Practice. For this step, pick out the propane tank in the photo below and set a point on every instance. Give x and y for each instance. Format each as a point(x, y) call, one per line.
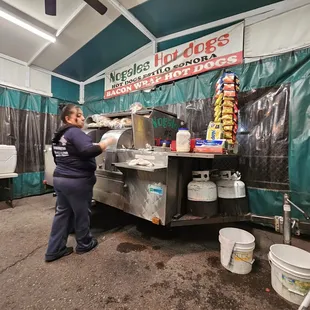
point(202, 195)
point(232, 194)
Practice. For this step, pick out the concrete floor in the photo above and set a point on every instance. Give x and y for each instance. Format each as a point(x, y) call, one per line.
point(136, 266)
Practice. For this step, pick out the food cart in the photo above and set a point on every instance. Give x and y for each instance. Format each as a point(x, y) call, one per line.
point(158, 192)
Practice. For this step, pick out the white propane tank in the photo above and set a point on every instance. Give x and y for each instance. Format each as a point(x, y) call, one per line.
point(229, 186)
point(202, 195)
point(232, 194)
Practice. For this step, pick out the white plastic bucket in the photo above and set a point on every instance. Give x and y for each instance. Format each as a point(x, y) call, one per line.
point(237, 247)
point(290, 272)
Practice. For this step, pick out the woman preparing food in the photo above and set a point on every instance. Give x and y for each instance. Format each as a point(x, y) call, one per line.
point(74, 178)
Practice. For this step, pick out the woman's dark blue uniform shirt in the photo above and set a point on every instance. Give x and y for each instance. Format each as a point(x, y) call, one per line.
point(74, 153)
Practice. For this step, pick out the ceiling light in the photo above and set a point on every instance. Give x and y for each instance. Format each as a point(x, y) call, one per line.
point(27, 26)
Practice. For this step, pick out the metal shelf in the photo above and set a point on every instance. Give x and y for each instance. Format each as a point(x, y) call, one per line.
point(199, 155)
point(188, 220)
point(140, 112)
point(141, 168)
point(127, 113)
point(102, 127)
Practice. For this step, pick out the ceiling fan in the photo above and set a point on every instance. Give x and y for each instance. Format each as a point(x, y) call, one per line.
point(50, 7)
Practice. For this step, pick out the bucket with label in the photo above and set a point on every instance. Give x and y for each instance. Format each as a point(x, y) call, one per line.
point(237, 247)
point(290, 272)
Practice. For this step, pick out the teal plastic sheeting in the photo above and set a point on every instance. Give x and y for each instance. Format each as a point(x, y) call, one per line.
point(291, 68)
point(94, 91)
point(18, 100)
point(65, 90)
point(50, 105)
point(27, 121)
point(10, 98)
point(270, 203)
point(29, 184)
point(299, 152)
point(265, 202)
point(180, 92)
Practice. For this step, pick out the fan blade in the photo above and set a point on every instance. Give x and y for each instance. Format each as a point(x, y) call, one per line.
point(50, 7)
point(97, 5)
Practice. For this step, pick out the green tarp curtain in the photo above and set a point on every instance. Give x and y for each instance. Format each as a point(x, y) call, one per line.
point(262, 137)
point(291, 68)
point(299, 151)
point(65, 90)
point(27, 121)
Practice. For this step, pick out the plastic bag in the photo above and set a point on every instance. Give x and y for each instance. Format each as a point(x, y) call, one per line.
point(135, 107)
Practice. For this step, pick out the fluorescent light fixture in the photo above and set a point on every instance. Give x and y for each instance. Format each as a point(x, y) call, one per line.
point(27, 26)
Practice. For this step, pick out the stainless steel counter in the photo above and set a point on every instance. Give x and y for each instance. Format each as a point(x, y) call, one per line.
point(141, 168)
point(158, 193)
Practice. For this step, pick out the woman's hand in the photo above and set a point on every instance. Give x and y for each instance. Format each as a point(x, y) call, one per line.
point(107, 142)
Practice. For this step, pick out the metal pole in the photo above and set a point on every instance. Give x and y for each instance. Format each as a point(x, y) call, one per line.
point(286, 220)
point(307, 217)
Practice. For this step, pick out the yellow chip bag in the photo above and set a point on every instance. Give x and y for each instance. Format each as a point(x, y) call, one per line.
point(228, 123)
point(228, 134)
point(228, 117)
point(229, 98)
point(228, 128)
point(217, 108)
point(215, 131)
point(219, 99)
point(227, 110)
point(227, 103)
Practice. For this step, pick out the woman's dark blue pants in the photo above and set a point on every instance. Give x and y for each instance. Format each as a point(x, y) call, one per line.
point(74, 198)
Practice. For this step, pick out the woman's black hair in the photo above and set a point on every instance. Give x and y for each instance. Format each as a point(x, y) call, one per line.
point(67, 111)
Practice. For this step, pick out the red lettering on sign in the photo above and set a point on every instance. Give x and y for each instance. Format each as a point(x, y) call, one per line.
point(188, 52)
point(208, 47)
point(162, 60)
point(223, 40)
point(199, 48)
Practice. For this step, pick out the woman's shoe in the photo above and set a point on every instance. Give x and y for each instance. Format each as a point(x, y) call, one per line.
point(93, 244)
point(65, 252)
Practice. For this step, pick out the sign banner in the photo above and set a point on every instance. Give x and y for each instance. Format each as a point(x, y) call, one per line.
point(221, 49)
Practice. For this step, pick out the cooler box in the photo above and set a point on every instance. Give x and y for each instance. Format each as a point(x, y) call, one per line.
point(8, 159)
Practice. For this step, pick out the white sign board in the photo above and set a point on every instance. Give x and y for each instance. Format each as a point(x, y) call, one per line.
point(221, 49)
